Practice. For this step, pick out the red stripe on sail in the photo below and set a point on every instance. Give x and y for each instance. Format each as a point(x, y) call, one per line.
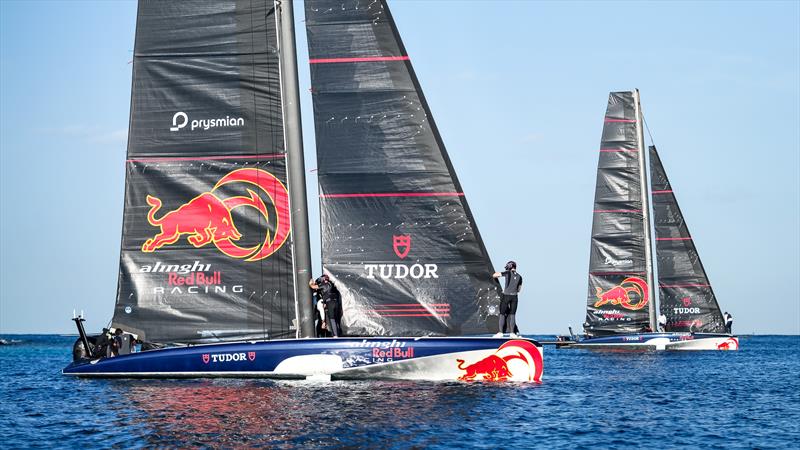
point(412, 310)
point(683, 285)
point(396, 194)
point(408, 305)
point(617, 273)
point(208, 158)
point(617, 210)
point(619, 120)
point(415, 315)
point(674, 239)
point(615, 150)
point(357, 59)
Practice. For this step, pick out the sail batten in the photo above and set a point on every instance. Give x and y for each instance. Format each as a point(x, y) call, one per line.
point(685, 293)
point(206, 250)
point(396, 227)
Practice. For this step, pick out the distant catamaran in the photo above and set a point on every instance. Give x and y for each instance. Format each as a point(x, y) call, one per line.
point(621, 307)
point(215, 259)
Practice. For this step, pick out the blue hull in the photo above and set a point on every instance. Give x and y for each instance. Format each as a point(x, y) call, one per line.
point(423, 358)
point(661, 341)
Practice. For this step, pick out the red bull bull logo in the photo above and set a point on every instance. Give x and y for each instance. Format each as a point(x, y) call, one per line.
point(521, 356)
point(729, 344)
point(207, 218)
point(631, 294)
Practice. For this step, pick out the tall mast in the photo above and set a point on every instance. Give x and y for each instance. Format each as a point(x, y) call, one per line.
point(645, 191)
point(295, 167)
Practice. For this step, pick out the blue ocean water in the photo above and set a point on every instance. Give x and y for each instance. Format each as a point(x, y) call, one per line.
point(745, 399)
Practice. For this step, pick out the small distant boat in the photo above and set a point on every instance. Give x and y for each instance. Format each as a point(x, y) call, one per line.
point(622, 306)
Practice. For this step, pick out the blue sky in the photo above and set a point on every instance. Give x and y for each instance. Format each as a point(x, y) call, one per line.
point(518, 90)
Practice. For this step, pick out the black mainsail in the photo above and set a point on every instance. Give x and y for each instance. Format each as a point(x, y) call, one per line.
point(206, 253)
point(398, 236)
point(620, 294)
point(685, 294)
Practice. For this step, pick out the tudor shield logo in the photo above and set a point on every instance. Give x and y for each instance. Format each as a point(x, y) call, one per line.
point(401, 245)
point(206, 358)
point(251, 356)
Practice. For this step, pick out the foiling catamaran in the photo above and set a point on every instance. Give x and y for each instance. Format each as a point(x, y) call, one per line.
point(215, 257)
point(621, 309)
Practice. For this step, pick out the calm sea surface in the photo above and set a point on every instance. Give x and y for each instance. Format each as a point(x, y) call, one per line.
point(749, 398)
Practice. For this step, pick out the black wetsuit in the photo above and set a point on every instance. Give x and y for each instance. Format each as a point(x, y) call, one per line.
point(333, 307)
point(729, 323)
point(102, 346)
point(508, 304)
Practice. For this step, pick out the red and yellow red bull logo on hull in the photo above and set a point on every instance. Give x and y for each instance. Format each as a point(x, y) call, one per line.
point(515, 360)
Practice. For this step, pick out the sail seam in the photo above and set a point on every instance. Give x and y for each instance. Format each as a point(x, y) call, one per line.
point(207, 158)
point(415, 315)
point(617, 210)
point(357, 59)
point(683, 285)
point(396, 194)
point(617, 273)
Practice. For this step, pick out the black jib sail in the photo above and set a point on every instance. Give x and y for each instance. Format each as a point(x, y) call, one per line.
point(398, 237)
point(620, 294)
point(685, 294)
point(206, 252)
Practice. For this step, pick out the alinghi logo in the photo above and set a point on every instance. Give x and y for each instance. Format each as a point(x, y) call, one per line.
point(181, 119)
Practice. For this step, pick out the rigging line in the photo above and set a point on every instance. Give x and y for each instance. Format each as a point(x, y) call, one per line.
point(275, 105)
point(652, 141)
point(255, 132)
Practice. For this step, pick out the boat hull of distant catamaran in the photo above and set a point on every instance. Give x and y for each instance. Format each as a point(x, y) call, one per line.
point(660, 341)
point(424, 358)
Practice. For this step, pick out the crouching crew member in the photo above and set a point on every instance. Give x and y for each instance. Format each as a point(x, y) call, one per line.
point(508, 304)
point(327, 292)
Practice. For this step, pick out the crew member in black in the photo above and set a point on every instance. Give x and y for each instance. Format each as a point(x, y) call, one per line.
point(728, 322)
point(103, 344)
point(330, 297)
point(508, 304)
point(122, 343)
point(321, 326)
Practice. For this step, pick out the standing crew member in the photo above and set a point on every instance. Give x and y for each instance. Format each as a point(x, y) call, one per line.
point(728, 322)
point(330, 297)
point(122, 343)
point(508, 304)
point(104, 343)
point(662, 322)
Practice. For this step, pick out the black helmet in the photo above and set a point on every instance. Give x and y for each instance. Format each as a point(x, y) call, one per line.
point(323, 279)
point(511, 265)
